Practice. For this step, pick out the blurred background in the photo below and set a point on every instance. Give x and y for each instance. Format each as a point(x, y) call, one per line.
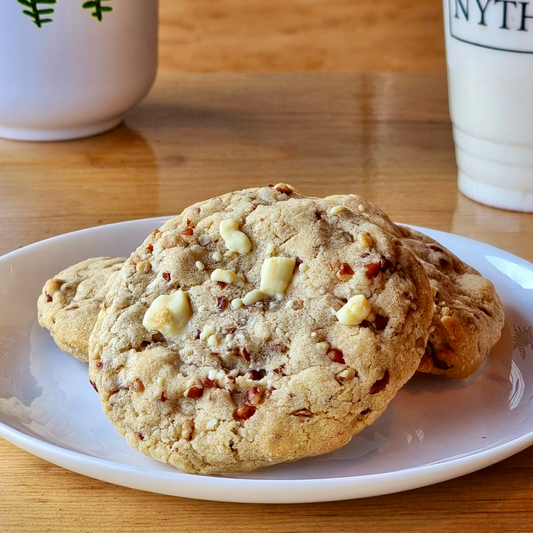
point(301, 36)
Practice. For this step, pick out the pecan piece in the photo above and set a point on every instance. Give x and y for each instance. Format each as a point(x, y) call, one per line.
point(222, 302)
point(336, 356)
point(344, 271)
point(254, 375)
point(245, 411)
point(372, 270)
point(194, 392)
point(254, 395)
point(138, 385)
point(303, 413)
point(209, 383)
point(384, 264)
point(282, 190)
point(280, 370)
point(380, 384)
point(245, 354)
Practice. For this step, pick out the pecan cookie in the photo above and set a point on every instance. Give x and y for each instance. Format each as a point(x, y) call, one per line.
point(468, 315)
point(70, 302)
point(257, 328)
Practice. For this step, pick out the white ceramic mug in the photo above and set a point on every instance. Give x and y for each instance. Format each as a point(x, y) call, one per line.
point(489, 53)
point(72, 68)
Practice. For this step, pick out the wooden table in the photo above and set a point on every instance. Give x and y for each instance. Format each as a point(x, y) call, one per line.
point(386, 137)
point(301, 36)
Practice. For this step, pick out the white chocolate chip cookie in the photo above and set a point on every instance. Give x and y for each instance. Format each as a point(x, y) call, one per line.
point(71, 300)
point(468, 316)
point(261, 356)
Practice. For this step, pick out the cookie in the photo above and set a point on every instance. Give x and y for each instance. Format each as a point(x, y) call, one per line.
point(70, 302)
point(468, 315)
point(257, 328)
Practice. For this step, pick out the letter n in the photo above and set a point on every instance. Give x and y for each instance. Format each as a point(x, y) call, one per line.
point(464, 9)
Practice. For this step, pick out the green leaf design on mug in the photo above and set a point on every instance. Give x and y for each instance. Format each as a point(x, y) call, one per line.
point(99, 9)
point(36, 13)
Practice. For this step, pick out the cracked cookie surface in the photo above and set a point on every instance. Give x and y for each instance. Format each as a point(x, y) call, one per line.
point(257, 328)
point(70, 302)
point(468, 316)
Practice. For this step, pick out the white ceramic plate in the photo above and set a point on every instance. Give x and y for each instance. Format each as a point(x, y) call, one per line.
point(434, 430)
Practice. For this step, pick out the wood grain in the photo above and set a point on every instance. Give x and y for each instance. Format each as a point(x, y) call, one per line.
point(386, 137)
point(301, 36)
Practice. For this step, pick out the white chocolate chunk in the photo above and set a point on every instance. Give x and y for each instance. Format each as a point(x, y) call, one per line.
point(365, 239)
point(271, 248)
point(336, 210)
point(276, 274)
point(354, 311)
point(217, 256)
point(207, 332)
point(211, 424)
point(213, 340)
point(200, 265)
point(236, 303)
point(246, 434)
point(235, 240)
point(169, 314)
point(253, 297)
point(227, 276)
point(346, 374)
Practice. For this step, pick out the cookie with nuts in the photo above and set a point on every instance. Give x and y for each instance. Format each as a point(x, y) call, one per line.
point(468, 315)
point(70, 302)
point(256, 328)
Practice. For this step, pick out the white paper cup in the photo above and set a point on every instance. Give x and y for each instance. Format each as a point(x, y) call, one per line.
point(489, 53)
point(72, 68)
